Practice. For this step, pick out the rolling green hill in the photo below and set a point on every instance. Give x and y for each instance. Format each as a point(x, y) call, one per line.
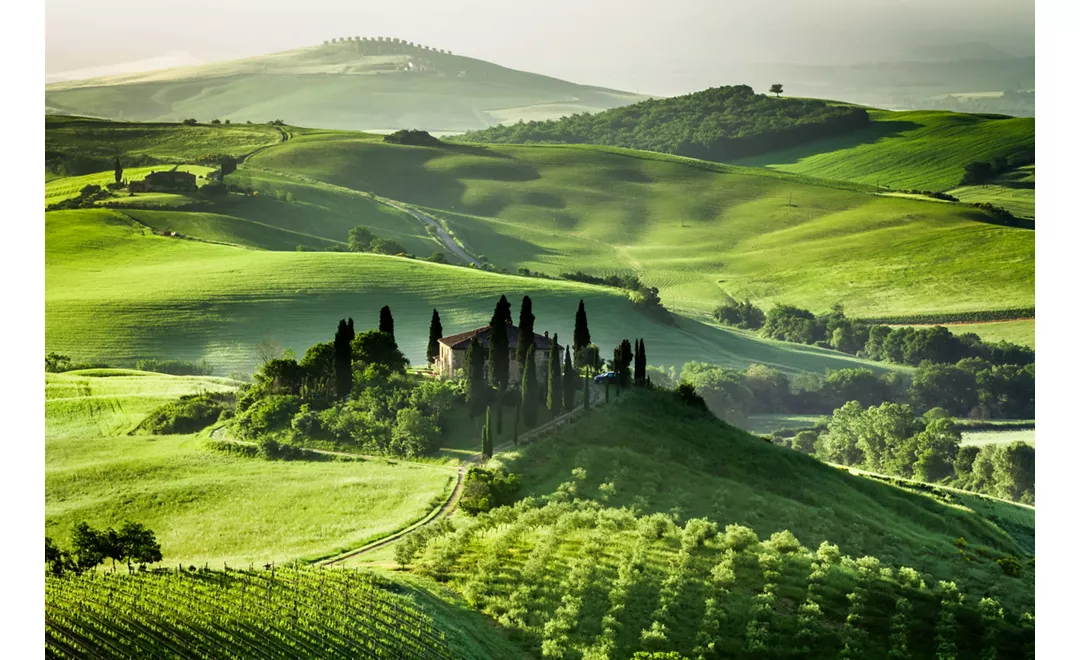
point(402, 86)
point(699, 231)
point(186, 299)
point(920, 150)
point(650, 526)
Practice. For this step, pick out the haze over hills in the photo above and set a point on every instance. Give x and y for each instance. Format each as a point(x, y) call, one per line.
point(353, 83)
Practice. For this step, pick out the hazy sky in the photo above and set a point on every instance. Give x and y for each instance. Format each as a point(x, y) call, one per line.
point(637, 45)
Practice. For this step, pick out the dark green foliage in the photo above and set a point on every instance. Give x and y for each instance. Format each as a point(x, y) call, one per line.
point(190, 414)
point(690, 397)
point(318, 362)
point(375, 347)
point(190, 121)
point(581, 329)
point(413, 137)
point(487, 489)
point(343, 357)
point(528, 389)
point(386, 321)
point(554, 379)
point(1010, 566)
point(640, 363)
point(953, 317)
point(740, 315)
point(435, 332)
point(486, 448)
point(175, 367)
point(360, 239)
point(118, 171)
point(132, 543)
point(499, 348)
point(476, 388)
point(570, 382)
point(267, 414)
point(278, 376)
point(776, 88)
point(719, 124)
point(620, 364)
point(386, 246)
point(526, 322)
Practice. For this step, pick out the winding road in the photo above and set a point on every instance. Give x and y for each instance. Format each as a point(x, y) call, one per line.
point(447, 240)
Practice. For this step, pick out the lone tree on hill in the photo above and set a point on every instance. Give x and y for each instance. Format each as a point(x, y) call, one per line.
point(569, 383)
point(581, 329)
point(343, 358)
point(486, 448)
point(386, 321)
point(525, 331)
point(475, 387)
point(118, 171)
point(360, 239)
point(434, 334)
point(528, 389)
point(554, 379)
point(777, 89)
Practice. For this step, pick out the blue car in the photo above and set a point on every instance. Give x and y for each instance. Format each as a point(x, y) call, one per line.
point(606, 377)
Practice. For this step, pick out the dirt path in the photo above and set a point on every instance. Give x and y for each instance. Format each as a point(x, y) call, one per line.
point(450, 505)
point(447, 240)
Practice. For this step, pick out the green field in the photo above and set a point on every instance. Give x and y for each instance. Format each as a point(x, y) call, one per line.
point(319, 86)
point(698, 231)
point(166, 297)
point(1013, 191)
point(921, 150)
point(205, 506)
point(1019, 332)
point(766, 424)
point(979, 438)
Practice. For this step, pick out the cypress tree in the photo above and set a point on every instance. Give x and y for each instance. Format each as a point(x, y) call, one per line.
point(342, 360)
point(118, 171)
point(386, 321)
point(554, 379)
point(485, 436)
point(525, 331)
point(621, 363)
point(499, 362)
point(502, 311)
point(475, 387)
point(352, 330)
point(434, 334)
point(581, 328)
point(528, 388)
point(641, 363)
point(569, 383)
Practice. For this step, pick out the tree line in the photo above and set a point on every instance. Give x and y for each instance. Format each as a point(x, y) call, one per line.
point(131, 544)
point(879, 342)
point(720, 123)
point(970, 388)
point(889, 438)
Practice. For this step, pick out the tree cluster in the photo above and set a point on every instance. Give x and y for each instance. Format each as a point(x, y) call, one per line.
point(721, 124)
point(487, 489)
point(361, 239)
point(131, 544)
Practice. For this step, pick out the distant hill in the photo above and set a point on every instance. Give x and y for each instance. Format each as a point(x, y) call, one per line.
point(359, 83)
point(717, 124)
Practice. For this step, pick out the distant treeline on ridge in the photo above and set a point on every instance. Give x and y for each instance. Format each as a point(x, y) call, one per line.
point(720, 123)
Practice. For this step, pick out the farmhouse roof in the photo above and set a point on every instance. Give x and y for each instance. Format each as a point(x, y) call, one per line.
point(462, 339)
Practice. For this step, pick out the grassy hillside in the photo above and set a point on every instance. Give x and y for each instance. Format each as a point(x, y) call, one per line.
point(1013, 191)
point(403, 86)
point(205, 506)
point(168, 297)
point(624, 542)
point(76, 145)
point(921, 150)
point(698, 231)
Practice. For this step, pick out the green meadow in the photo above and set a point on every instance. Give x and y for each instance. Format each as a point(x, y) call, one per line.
point(206, 506)
point(60, 189)
point(919, 149)
point(700, 232)
point(186, 299)
point(979, 438)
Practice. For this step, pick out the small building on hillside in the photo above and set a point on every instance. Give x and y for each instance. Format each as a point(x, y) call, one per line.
point(172, 181)
point(452, 351)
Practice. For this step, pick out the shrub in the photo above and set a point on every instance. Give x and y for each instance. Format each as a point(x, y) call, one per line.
point(739, 538)
point(175, 367)
point(191, 413)
point(1010, 565)
point(271, 413)
point(487, 489)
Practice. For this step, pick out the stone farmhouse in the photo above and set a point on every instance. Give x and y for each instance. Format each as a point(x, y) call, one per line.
point(169, 181)
point(452, 351)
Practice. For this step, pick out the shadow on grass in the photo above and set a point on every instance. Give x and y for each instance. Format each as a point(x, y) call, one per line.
point(877, 131)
